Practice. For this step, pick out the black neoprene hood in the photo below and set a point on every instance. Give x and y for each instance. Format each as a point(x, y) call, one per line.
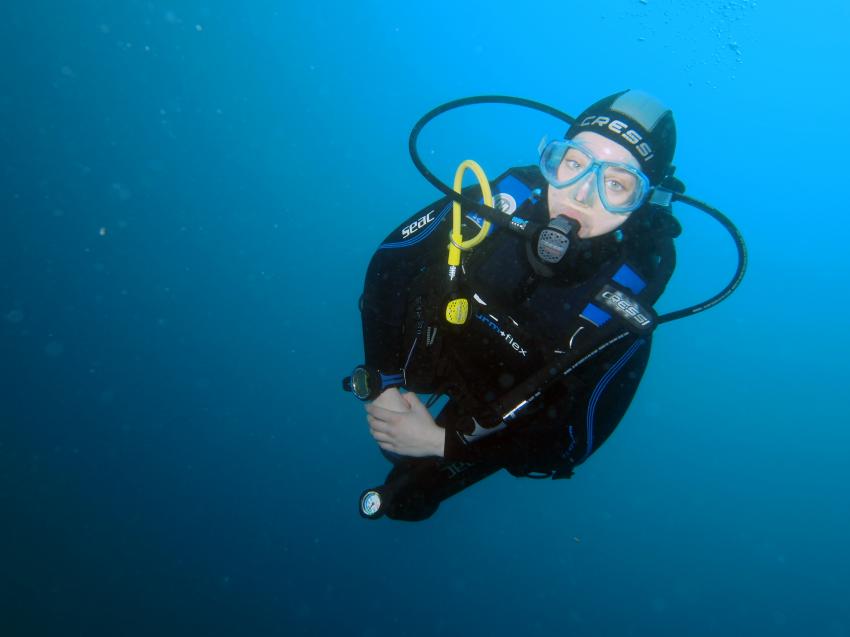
point(638, 122)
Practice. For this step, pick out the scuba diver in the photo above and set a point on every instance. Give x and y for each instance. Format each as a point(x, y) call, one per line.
point(535, 333)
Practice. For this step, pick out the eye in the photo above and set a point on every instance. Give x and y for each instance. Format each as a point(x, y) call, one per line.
point(574, 161)
point(614, 186)
point(619, 182)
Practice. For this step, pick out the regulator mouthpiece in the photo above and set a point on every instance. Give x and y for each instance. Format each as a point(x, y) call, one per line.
point(553, 243)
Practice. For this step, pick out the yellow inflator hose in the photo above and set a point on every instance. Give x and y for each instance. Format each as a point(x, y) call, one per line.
point(458, 243)
point(457, 309)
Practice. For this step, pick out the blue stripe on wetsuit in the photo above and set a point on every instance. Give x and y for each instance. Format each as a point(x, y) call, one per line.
point(515, 188)
point(597, 393)
point(595, 315)
point(629, 278)
point(419, 236)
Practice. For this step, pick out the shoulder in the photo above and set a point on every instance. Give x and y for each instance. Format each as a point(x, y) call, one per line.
point(528, 176)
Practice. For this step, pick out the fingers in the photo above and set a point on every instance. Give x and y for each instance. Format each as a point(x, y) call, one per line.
point(391, 399)
point(376, 424)
point(381, 431)
point(384, 440)
point(381, 413)
point(391, 428)
point(414, 402)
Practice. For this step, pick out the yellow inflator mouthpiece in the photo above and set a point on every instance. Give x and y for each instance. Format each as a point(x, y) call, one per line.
point(457, 311)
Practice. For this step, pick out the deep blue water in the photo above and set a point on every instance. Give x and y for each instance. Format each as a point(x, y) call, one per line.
point(189, 196)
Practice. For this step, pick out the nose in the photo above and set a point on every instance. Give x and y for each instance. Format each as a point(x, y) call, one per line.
point(583, 189)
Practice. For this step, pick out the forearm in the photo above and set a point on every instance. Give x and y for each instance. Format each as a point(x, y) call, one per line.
point(526, 445)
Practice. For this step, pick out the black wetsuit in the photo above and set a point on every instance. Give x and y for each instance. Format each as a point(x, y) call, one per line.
point(519, 323)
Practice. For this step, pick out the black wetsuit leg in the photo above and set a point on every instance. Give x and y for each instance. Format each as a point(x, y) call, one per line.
point(416, 486)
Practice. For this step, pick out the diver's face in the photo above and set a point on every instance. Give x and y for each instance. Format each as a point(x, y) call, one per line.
point(581, 201)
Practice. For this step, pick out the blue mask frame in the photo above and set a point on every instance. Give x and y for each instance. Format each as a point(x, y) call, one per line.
point(553, 155)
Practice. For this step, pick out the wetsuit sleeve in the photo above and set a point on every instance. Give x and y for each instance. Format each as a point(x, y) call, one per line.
point(568, 423)
point(417, 243)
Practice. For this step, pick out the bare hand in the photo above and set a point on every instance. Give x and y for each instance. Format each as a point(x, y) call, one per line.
point(391, 399)
point(402, 424)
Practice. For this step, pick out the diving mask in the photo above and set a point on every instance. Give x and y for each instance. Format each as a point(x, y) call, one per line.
point(621, 188)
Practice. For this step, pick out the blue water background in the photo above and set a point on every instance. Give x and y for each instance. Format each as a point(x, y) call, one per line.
point(189, 196)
